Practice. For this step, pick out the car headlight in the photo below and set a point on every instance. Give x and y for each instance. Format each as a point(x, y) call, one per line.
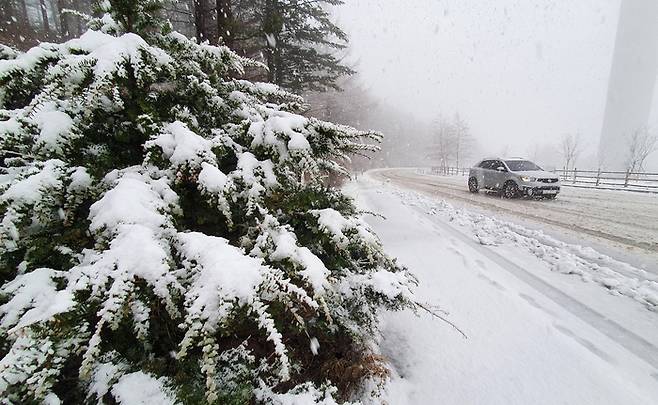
point(528, 179)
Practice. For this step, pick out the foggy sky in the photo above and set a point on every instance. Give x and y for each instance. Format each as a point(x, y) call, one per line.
point(523, 73)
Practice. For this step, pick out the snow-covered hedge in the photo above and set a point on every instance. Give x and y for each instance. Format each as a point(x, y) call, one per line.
point(166, 234)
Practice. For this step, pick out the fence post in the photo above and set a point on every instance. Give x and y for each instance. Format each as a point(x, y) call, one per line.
point(628, 174)
point(598, 177)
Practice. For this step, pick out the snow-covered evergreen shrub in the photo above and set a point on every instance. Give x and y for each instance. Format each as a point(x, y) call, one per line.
point(166, 235)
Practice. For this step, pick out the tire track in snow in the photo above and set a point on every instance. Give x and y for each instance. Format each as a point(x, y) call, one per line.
point(632, 342)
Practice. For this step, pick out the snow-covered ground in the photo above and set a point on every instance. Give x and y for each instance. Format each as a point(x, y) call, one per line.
point(548, 321)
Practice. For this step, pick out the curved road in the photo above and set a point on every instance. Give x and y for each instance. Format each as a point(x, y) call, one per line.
point(624, 220)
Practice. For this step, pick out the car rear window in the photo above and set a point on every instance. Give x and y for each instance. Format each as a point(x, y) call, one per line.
point(521, 165)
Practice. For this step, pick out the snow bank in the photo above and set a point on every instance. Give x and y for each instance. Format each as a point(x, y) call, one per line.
point(591, 266)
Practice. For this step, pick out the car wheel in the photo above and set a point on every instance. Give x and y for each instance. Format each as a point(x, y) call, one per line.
point(511, 190)
point(473, 185)
point(550, 197)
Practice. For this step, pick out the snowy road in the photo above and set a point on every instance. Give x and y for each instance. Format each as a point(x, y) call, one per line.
point(628, 220)
point(547, 321)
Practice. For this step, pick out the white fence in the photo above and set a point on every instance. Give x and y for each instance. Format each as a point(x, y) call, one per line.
point(631, 181)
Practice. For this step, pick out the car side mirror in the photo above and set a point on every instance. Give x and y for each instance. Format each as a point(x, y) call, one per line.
point(501, 169)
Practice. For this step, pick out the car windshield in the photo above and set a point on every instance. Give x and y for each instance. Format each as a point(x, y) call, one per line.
point(521, 165)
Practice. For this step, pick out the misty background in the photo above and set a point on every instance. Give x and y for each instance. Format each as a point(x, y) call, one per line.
point(521, 74)
point(447, 82)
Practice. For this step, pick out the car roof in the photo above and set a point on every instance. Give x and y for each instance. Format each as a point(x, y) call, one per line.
point(504, 158)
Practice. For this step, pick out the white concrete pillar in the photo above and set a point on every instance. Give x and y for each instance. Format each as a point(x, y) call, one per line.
point(632, 79)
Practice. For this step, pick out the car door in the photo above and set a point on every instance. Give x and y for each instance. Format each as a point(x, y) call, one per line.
point(497, 177)
point(487, 175)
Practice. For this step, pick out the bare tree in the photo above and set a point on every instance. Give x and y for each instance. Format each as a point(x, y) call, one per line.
point(443, 145)
point(641, 143)
point(570, 148)
point(452, 141)
point(462, 138)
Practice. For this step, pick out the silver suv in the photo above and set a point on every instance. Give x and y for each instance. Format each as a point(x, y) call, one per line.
point(513, 177)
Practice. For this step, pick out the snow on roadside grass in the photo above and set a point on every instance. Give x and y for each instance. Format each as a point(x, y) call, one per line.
point(618, 277)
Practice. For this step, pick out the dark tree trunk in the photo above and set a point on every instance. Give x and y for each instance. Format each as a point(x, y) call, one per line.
point(225, 22)
point(201, 20)
point(65, 22)
point(80, 6)
point(44, 17)
point(272, 26)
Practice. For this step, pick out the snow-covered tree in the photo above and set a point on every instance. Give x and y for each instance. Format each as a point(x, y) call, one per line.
point(297, 39)
point(166, 235)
